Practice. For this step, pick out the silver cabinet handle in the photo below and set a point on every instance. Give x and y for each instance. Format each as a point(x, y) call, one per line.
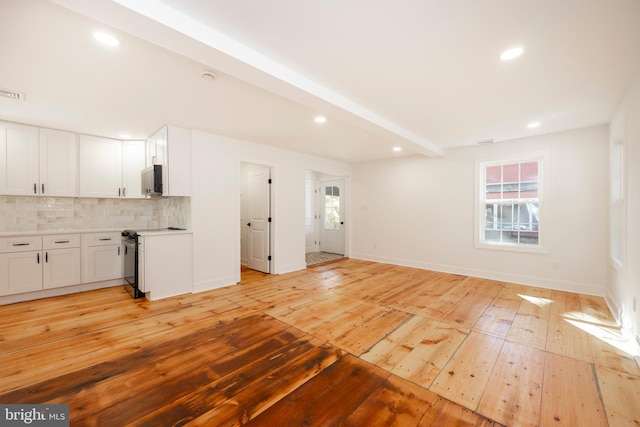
point(35, 188)
point(42, 188)
point(21, 244)
point(124, 192)
point(61, 241)
point(105, 238)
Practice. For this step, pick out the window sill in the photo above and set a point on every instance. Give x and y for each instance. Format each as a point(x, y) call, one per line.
point(511, 248)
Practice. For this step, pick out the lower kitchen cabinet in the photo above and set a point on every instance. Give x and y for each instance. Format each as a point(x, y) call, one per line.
point(20, 272)
point(102, 257)
point(33, 263)
point(165, 264)
point(61, 260)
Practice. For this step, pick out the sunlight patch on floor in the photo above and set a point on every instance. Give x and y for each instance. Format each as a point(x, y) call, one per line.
point(602, 331)
point(540, 302)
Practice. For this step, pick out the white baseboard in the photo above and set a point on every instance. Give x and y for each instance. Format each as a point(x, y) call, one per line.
point(540, 282)
point(48, 293)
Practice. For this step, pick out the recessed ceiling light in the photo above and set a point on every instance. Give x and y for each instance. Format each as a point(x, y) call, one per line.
point(512, 53)
point(533, 125)
point(397, 149)
point(106, 39)
point(320, 119)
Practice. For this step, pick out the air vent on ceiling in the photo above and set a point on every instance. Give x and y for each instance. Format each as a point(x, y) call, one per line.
point(18, 96)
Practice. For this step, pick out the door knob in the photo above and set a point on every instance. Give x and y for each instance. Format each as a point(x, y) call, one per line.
point(249, 224)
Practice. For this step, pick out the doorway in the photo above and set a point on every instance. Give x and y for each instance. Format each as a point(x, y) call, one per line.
point(255, 217)
point(325, 228)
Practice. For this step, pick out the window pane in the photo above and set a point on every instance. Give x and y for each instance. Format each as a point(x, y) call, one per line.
point(494, 174)
point(510, 204)
point(529, 171)
point(332, 212)
point(511, 173)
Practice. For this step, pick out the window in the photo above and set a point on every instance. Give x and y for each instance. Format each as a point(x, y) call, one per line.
point(618, 220)
point(509, 204)
point(332, 208)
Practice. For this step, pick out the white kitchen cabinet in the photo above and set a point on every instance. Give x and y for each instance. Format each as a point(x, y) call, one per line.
point(133, 161)
point(33, 263)
point(61, 253)
point(100, 167)
point(101, 257)
point(171, 148)
point(142, 276)
point(156, 147)
point(20, 264)
point(110, 168)
point(165, 266)
point(57, 163)
point(18, 159)
point(37, 161)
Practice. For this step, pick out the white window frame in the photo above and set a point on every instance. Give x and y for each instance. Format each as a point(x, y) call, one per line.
point(479, 214)
point(618, 205)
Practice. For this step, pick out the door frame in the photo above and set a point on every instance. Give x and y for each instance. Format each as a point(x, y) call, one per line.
point(321, 208)
point(272, 229)
point(346, 201)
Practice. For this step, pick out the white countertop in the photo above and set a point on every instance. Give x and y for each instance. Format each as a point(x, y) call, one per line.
point(163, 232)
point(85, 231)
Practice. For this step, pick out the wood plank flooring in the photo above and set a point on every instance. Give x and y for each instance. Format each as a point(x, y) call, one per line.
point(350, 343)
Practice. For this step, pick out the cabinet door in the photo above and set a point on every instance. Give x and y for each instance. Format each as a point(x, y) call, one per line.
point(100, 167)
point(133, 161)
point(157, 148)
point(57, 163)
point(103, 263)
point(18, 159)
point(177, 174)
point(61, 267)
point(20, 272)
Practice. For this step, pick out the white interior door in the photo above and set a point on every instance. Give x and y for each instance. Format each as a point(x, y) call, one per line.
point(332, 236)
point(259, 212)
point(310, 216)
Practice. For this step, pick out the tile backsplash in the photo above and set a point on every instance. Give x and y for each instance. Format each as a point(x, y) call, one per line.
point(32, 213)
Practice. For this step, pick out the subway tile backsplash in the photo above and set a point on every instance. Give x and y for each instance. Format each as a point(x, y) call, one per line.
point(32, 213)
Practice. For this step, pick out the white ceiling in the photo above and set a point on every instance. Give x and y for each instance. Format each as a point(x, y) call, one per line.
point(422, 74)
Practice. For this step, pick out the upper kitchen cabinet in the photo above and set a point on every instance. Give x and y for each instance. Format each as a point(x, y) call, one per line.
point(58, 163)
point(100, 167)
point(37, 161)
point(110, 168)
point(133, 161)
point(171, 148)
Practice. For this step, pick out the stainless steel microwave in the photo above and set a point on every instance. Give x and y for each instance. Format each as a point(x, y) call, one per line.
point(152, 181)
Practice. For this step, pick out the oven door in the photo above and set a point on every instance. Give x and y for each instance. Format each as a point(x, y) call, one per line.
point(130, 261)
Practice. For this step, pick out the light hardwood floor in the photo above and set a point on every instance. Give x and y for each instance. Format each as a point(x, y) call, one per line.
point(347, 343)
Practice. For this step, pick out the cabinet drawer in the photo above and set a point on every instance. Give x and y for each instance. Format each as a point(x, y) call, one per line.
point(20, 244)
point(103, 239)
point(61, 241)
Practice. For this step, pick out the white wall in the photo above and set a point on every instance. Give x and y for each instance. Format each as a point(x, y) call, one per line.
point(624, 285)
point(215, 205)
point(420, 212)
